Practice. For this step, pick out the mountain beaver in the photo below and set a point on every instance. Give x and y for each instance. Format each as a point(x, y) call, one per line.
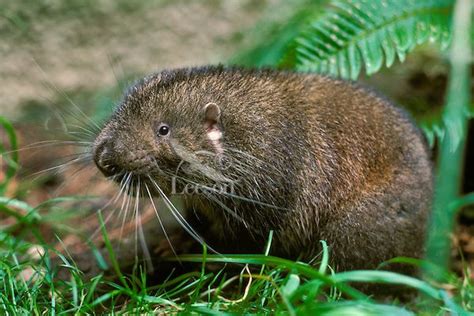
point(310, 157)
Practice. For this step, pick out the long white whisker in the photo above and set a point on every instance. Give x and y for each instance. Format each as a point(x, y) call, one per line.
point(135, 214)
point(42, 144)
point(230, 194)
point(139, 231)
point(121, 189)
point(111, 201)
point(160, 221)
point(127, 204)
point(58, 168)
point(83, 130)
point(106, 221)
point(177, 215)
point(94, 124)
point(227, 209)
point(70, 179)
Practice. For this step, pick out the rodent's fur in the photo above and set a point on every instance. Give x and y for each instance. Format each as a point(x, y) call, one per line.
point(310, 157)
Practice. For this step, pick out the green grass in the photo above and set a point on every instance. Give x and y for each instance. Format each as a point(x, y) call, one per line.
point(265, 284)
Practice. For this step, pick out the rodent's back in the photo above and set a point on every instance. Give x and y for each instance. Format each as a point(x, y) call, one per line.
point(349, 157)
point(346, 133)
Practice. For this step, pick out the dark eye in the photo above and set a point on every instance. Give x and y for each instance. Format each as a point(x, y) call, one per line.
point(163, 130)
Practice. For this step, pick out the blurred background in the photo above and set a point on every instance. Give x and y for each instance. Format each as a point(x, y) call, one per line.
point(88, 47)
point(57, 56)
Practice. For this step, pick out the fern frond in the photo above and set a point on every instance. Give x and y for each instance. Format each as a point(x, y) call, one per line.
point(435, 126)
point(356, 33)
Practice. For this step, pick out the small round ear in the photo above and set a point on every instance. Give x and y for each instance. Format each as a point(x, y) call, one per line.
point(212, 114)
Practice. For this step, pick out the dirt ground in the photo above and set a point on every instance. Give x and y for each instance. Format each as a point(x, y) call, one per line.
point(92, 47)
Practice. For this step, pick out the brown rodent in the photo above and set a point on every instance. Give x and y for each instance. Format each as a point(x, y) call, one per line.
point(310, 157)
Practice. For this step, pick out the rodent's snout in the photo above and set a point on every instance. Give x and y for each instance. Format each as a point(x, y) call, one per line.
point(104, 159)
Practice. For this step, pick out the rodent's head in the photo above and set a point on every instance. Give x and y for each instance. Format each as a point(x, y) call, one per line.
point(224, 133)
point(158, 128)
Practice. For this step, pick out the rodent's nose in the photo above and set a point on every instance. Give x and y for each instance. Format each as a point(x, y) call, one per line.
point(105, 160)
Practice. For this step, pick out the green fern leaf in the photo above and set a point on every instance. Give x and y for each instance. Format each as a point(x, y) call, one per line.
point(365, 33)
